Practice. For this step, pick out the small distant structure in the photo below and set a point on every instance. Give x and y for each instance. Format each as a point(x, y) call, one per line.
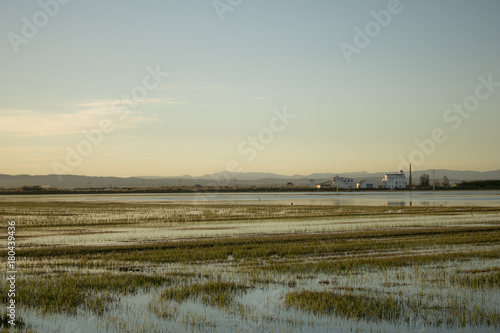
point(323, 185)
point(312, 183)
point(366, 183)
point(394, 180)
point(45, 187)
point(337, 182)
point(342, 182)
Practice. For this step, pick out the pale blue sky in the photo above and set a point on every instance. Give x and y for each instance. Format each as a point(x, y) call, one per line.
point(226, 78)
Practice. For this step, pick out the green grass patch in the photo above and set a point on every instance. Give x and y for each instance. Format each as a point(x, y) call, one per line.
point(347, 265)
point(453, 312)
point(324, 244)
point(346, 305)
point(214, 293)
point(67, 293)
point(478, 281)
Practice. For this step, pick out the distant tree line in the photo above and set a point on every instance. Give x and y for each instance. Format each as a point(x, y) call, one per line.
point(483, 184)
point(425, 181)
point(34, 188)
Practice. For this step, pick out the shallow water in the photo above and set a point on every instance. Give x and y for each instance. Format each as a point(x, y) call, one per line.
point(128, 235)
point(265, 310)
point(399, 198)
point(265, 307)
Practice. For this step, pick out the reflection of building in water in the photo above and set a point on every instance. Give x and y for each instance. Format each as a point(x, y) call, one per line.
point(366, 184)
point(395, 203)
point(394, 180)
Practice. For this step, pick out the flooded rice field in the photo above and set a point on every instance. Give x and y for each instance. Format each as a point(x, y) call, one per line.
point(397, 198)
point(216, 265)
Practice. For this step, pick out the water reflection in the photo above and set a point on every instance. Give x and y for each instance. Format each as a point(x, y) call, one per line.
point(455, 198)
point(396, 203)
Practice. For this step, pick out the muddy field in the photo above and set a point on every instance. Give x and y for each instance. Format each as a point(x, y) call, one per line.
point(226, 267)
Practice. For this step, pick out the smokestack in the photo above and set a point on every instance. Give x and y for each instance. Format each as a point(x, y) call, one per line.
point(410, 184)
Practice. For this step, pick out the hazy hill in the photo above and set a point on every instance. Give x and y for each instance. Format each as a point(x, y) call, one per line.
point(223, 178)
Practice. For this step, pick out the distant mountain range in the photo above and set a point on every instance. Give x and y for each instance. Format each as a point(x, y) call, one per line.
point(223, 178)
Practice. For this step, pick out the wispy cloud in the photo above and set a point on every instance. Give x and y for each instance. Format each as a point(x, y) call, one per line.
point(84, 116)
point(106, 104)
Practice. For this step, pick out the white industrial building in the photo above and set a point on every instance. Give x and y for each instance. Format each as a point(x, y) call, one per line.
point(342, 182)
point(336, 182)
point(366, 184)
point(394, 180)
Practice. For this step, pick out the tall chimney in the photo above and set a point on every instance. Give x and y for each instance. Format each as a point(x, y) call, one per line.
point(410, 184)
